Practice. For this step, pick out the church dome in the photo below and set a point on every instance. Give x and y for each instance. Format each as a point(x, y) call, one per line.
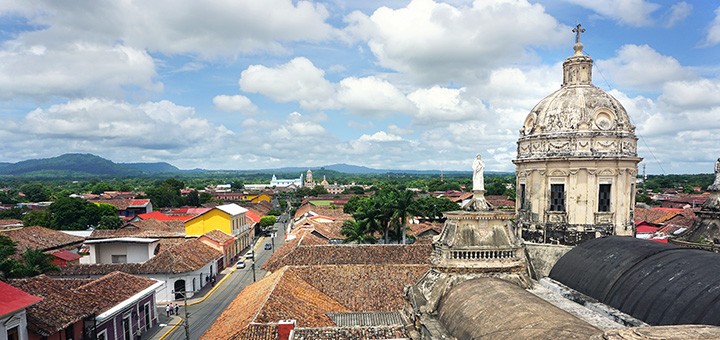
point(578, 120)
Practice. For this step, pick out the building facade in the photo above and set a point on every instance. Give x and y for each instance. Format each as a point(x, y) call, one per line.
point(576, 162)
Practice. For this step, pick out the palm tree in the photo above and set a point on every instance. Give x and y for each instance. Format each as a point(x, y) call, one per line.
point(403, 209)
point(35, 262)
point(355, 232)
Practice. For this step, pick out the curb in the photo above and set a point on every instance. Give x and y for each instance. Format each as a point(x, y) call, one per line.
point(172, 329)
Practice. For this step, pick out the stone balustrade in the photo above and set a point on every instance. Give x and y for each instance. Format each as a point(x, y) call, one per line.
point(481, 254)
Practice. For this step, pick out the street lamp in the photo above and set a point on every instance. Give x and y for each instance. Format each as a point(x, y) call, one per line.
point(253, 269)
point(186, 322)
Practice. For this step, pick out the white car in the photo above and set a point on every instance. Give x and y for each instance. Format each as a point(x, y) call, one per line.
point(250, 255)
point(240, 264)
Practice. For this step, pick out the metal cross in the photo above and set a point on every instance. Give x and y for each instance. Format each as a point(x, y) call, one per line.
point(577, 30)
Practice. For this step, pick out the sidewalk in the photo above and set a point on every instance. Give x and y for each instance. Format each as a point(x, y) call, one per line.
point(167, 324)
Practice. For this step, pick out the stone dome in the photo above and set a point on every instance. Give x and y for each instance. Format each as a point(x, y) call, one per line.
point(579, 119)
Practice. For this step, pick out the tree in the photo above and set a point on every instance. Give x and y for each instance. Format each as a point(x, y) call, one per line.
point(432, 207)
point(35, 192)
point(355, 232)
point(318, 190)
point(205, 198)
point(7, 264)
point(193, 199)
point(267, 221)
point(274, 212)
point(37, 217)
point(109, 222)
point(403, 201)
point(35, 262)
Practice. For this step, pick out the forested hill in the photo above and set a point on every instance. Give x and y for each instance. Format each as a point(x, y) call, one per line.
point(75, 164)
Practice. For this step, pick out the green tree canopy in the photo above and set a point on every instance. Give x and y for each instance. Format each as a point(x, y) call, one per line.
point(267, 221)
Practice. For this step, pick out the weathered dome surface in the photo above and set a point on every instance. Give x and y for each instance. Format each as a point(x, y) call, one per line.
point(578, 120)
point(489, 308)
point(658, 283)
point(578, 108)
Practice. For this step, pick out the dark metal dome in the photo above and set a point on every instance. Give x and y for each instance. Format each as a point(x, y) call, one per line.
point(658, 283)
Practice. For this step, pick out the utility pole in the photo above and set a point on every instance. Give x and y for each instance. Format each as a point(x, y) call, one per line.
point(253, 269)
point(186, 321)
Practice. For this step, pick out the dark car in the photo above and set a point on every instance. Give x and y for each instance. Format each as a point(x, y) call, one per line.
point(268, 246)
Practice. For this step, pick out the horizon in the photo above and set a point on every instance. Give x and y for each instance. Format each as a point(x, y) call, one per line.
point(399, 85)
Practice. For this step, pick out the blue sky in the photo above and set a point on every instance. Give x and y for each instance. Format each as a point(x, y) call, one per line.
point(418, 84)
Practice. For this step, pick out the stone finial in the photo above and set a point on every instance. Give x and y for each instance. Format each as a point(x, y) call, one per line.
point(578, 45)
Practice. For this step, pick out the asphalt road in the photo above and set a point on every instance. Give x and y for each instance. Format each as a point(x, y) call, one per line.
point(203, 314)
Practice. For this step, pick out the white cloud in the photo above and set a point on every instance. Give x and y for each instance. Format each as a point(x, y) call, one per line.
point(298, 80)
point(629, 12)
point(677, 13)
point(297, 126)
point(120, 130)
point(98, 48)
point(445, 104)
point(713, 34)
point(371, 95)
point(437, 42)
point(73, 70)
point(702, 93)
point(210, 29)
point(380, 136)
point(236, 103)
point(641, 67)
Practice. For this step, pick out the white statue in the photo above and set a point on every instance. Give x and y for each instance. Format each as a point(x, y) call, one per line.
point(716, 184)
point(478, 180)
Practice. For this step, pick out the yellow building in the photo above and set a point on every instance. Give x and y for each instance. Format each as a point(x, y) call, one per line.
point(257, 198)
point(228, 218)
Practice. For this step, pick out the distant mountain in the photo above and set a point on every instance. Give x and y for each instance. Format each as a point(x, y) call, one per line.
point(75, 164)
point(358, 170)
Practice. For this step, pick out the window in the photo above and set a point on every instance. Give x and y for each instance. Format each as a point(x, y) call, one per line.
point(604, 197)
point(102, 335)
point(13, 333)
point(119, 259)
point(557, 197)
point(522, 196)
point(126, 327)
point(70, 332)
point(146, 309)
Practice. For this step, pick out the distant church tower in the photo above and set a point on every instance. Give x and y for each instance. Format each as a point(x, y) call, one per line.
point(576, 161)
point(309, 183)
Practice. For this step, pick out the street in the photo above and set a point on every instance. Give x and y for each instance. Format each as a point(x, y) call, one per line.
point(203, 314)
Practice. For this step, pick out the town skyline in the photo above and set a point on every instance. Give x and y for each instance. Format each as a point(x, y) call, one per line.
point(421, 85)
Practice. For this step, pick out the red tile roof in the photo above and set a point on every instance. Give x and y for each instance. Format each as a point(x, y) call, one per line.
point(66, 255)
point(37, 237)
point(307, 293)
point(219, 237)
point(158, 215)
point(151, 228)
point(348, 254)
point(13, 299)
point(66, 301)
point(252, 215)
point(184, 257)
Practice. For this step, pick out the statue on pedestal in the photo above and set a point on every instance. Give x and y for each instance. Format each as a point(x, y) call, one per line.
point(478, 176)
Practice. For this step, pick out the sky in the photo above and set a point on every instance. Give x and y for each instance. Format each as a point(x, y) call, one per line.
point(421, 84)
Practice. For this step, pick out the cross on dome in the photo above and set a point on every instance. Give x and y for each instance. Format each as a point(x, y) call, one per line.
point(578, 30)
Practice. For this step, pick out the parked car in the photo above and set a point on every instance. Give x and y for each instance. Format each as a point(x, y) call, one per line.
point(240, 264)
point(250, 255)
point(268, 246)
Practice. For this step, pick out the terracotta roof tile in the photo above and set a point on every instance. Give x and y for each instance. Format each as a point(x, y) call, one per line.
point(349, 254)
point(243, 309)
point(150, 228)
point(37, 237)
point(66, 301)
point(218, 236)
point(190, 255)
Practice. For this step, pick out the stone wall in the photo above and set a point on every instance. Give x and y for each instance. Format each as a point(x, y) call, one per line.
point(544, 256)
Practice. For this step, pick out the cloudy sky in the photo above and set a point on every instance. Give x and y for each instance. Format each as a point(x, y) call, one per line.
point(422, 84)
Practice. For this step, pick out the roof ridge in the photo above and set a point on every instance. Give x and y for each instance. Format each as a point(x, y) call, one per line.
point(281, 273)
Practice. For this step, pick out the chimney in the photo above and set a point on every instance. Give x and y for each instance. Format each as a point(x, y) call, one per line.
point(286, 329)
